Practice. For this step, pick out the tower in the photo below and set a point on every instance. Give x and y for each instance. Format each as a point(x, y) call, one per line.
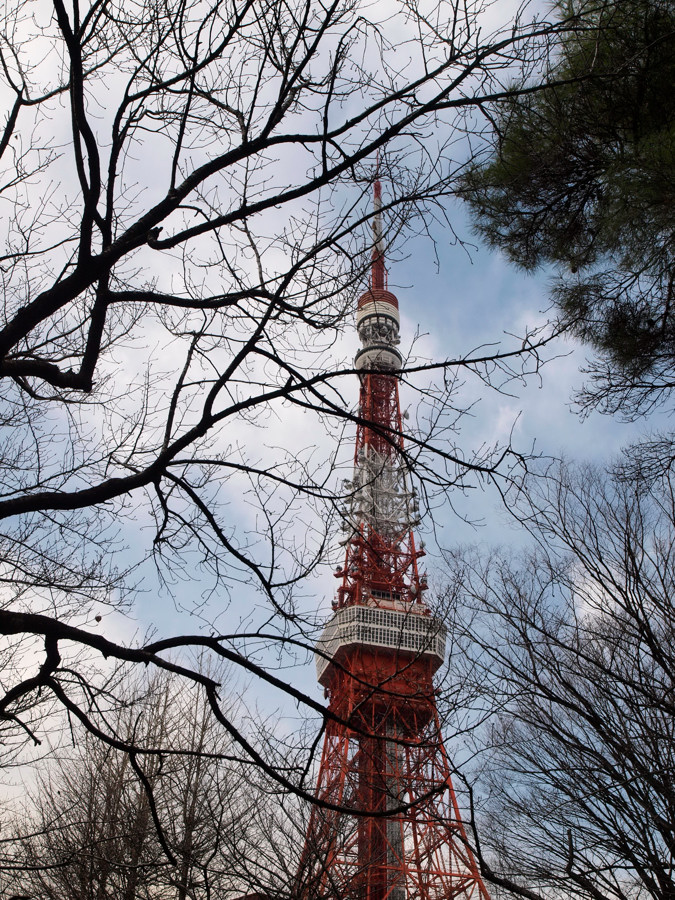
point(386, 825)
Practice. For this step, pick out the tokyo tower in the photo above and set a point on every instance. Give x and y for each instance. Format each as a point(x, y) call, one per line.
point(387, 825)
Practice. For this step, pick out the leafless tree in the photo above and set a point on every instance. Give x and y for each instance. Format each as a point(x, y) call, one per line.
point(87, 831)
point(573, 645)
point(186, 190)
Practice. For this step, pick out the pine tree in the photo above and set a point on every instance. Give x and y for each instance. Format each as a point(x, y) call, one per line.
point(580, 175)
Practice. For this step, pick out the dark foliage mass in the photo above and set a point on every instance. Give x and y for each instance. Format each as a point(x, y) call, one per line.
point(581, 176)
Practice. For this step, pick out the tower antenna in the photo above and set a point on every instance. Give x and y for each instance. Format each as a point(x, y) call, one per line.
point(378, 272)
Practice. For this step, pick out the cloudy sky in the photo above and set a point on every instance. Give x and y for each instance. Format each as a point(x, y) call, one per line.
point(455, 298)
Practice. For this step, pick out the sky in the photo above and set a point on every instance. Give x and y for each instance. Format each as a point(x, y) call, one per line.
point(453, 297)
point(475, 296)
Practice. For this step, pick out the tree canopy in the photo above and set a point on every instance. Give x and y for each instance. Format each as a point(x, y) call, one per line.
point(87, 828)
point(580, 175)
point(571, 645)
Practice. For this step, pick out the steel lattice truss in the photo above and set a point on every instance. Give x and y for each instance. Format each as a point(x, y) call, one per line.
point(386, 825)
point(391, 763)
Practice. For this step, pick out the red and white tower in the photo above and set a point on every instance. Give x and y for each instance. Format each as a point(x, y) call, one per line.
point(387, 825)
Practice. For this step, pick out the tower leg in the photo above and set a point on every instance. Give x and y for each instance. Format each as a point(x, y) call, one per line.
point(419, 853)
point(395, 790)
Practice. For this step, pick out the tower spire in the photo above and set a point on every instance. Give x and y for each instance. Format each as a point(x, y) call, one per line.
point(387, 824)
point(378, 272)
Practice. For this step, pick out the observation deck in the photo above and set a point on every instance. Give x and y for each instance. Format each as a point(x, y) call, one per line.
point(377, 323)
point(406, 630)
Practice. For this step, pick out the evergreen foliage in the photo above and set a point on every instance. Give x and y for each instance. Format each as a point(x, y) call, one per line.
point(580, 175)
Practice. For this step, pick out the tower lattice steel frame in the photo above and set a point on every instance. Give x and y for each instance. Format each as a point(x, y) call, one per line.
point(387, 824)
